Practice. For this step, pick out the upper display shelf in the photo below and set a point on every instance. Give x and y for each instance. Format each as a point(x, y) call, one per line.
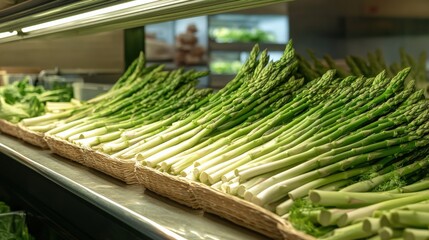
point(91, 16)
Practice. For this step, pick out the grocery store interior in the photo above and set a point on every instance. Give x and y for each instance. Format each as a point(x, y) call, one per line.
point(59, 44)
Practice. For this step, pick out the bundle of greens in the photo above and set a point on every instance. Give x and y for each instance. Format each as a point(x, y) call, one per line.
point(12, 224)
point(223, 34)
point(21, 100)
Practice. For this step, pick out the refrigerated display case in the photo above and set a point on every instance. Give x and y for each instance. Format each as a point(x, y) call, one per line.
point(233, 35)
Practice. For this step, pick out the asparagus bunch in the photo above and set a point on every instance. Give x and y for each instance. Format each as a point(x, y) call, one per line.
point(164, 95)
point(150, 95)
point(399, 215)
point(54, 119)
point(259, 88)
point(326, 140)
point(177, 132)
point(383, 213)
point(371, 65)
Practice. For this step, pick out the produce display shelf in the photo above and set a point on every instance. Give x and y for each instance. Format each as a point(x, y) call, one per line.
point(92, 205)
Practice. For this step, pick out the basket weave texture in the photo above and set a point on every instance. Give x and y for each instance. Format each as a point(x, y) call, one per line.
point(118, 168)
point(9, 128)
point(32, 137)
point(187, 192)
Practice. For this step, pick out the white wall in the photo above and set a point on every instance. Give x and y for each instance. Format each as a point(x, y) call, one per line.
point(98, 51)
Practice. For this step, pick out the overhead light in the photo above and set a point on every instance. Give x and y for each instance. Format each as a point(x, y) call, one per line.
point(87, 15)
point(8, 34)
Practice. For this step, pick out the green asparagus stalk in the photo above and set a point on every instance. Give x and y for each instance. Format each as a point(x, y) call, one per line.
point(410, 218)
point(354, 199)
point(415, 234)
point(389, 233)
point(367, 211)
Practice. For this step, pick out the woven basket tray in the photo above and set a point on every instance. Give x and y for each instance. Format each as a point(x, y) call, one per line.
point(117, 168)
point(9, 128)
point(175, 188)
point(32, 137)
point(234, 209)
point(65, 149)
point(245, 213)
point(184, 191)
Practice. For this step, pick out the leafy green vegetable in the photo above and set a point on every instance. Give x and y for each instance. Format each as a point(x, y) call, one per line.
point(21, 100)
point(241, 35)
point(4, 208)
point(13, 113)
point(300, 218)
point(13, 224)
point(394, 182)
point(225, 67)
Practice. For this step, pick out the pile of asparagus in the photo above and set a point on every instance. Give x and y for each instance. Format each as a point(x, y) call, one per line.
point(356, 206)
point(142, 96)
point(277, 131)
point(389, 203)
